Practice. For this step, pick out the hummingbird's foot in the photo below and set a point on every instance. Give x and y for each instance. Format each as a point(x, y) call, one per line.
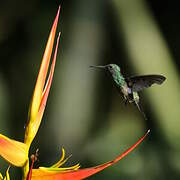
point(131, 101)
point(125, 102)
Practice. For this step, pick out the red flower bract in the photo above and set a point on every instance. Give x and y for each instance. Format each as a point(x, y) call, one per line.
point(40, 174)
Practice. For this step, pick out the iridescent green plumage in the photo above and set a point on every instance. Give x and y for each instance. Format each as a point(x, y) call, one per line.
point(130, 87)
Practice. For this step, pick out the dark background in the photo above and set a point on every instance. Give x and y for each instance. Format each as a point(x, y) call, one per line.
point(85, 113)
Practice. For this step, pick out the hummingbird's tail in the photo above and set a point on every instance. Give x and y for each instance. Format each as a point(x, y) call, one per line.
point(140, 109)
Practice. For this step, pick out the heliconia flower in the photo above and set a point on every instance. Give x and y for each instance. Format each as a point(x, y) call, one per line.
point(56, 172)
point(15, 152)
point(41, 90)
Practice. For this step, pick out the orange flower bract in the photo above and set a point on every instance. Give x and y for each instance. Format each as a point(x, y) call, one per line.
point(14, 152)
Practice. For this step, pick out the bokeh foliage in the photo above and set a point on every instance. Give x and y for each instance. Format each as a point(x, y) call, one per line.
point(85, 113)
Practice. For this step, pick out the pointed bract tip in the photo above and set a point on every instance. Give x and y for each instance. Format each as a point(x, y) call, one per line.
point(57, 16)
point(59, 8)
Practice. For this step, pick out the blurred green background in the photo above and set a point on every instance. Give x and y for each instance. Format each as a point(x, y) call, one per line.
point(85, 114)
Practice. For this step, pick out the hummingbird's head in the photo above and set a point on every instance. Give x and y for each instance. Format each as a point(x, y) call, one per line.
point(114, 69)
point(115, 72)
point(109, 67)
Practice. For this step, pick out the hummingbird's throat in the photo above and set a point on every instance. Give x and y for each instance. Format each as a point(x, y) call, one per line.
point(119, 79)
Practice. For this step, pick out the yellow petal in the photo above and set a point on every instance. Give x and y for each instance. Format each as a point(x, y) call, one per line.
point(57, 166)
point(59, 163)
point(15, 152)
point(7, 174)
point(1, 177)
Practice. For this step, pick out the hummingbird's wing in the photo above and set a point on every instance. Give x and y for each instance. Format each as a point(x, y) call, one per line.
point(138, 83)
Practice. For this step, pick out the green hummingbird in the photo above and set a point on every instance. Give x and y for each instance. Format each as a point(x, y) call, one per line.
point(129, 87)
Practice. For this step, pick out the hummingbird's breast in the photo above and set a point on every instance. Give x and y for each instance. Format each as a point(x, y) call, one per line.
point(125, 90)
point(127, 93)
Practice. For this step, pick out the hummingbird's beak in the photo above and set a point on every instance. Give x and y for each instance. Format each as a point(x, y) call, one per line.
point(102, 67)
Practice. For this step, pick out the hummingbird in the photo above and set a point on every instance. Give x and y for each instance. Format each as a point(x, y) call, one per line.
point(129, 87)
